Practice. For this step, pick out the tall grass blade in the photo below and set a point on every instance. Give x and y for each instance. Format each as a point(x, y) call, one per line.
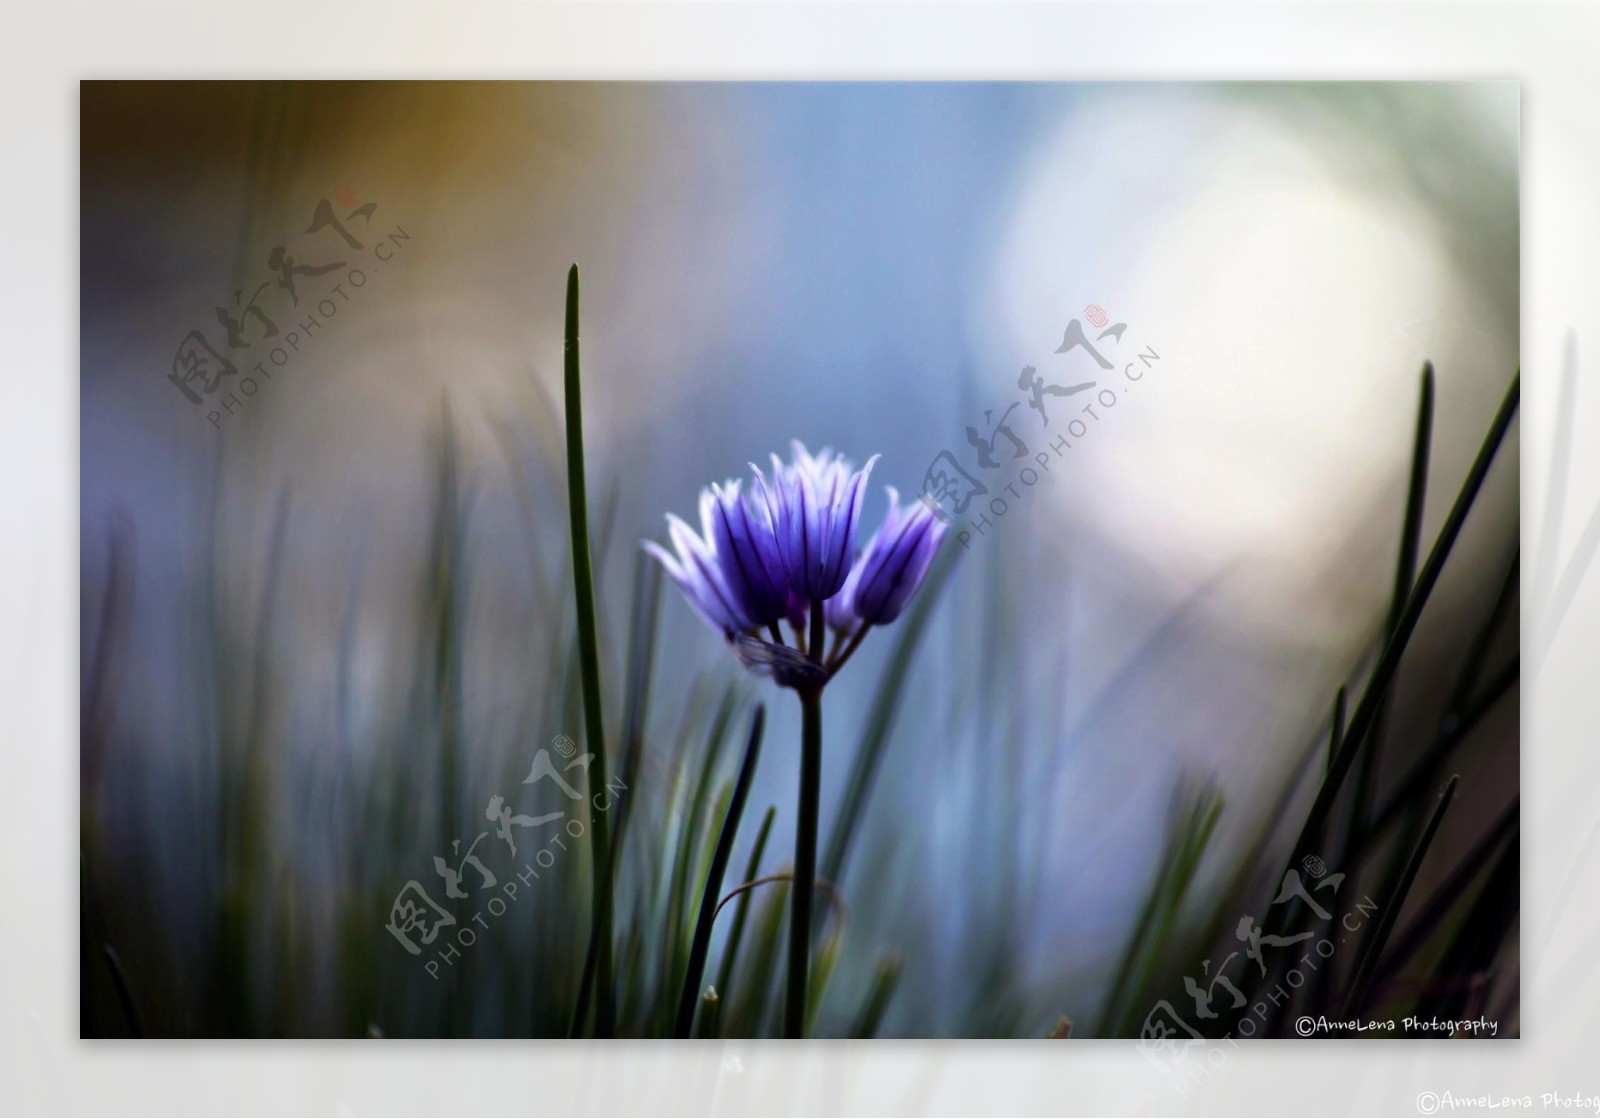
point(1404, 577)
point(640, 674)
point(1362, 980)
point(1421, 774)
point(1195, 815)
point(885, 978)
point(713, 884)
point(693, 821)
point(1336, 725)
point(589, 655)
point(741, 912)
point(1366, 712)
point(825, 959)
point(1483, 641)
point(756, 977)
point(1482, 935)
point(884, 982)
point(1442, 902)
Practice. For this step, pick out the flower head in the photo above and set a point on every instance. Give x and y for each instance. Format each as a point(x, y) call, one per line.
point(786, 550)
point(814, 504)
point(891, 567)
point(731, 572)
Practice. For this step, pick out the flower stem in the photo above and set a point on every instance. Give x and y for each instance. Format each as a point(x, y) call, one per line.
point(817, 628)
point(836, 662)
point(805, 841)
point(805, 862)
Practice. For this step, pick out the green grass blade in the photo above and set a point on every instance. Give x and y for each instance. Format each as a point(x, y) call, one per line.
point(1482, 935)
point(1366, 712)
point(1439, 904)
point(1416, 497)
point(741, 912)
point(1421, 775)
point(1336, 727)
point(1362, 980)
point(589, 654)
point(756, 978)
point(1483, 641)
point(885, 978)
point(693, 820)
point(1195, 836)
point(823, 961)
point(1404, 578)
point(640, 674)
point(1461, 716)
point(1237, 896)
point(713, 883)
point(1194, 817)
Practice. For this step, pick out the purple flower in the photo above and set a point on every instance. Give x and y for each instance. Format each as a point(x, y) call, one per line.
point(891, 567)
point(814, 505)
point(771, 553)
point(732, 572)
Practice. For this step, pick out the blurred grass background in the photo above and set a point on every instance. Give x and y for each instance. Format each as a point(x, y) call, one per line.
point(318, 638)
